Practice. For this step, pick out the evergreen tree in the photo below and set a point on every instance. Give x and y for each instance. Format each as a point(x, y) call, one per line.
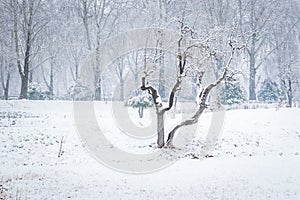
point(269, 91)
point(232, 92)
point(80, 92)
point(141, 101)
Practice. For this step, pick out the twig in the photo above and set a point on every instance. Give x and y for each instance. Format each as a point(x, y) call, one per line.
point(60, 146)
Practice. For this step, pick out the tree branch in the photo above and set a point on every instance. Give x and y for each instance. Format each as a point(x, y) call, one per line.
point(203, 97)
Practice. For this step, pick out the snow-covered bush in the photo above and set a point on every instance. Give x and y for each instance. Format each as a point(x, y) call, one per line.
point(36, 93)
point(269, 91)
point(141, 101)
point(233, 92)
point(79, 92)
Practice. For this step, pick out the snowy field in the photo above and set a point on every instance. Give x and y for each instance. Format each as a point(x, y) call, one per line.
point(257, 157)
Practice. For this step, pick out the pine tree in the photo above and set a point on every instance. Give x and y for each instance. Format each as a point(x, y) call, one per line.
point(141, 101)
point(232, 92)
point(79, 92)
point(269, 91)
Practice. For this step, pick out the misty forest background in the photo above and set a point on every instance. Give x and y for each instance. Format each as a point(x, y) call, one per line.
point(44, 43)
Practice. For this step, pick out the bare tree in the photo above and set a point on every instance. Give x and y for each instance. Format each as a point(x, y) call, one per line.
point(26, 27)
point(257, 19)
point(286, 50)
point(185, 52)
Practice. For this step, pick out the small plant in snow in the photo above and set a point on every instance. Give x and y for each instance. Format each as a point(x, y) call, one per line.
point(141, 101)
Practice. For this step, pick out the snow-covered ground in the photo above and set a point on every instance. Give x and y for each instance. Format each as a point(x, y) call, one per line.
point(257, 157)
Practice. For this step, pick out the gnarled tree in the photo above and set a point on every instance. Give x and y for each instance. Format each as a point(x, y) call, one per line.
point(186, 51)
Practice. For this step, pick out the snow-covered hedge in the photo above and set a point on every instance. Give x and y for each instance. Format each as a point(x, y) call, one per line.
point(79, 92)
point(36, 93)
point(143, 100)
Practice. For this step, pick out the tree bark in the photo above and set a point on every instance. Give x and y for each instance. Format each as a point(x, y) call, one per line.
point(121, 89)
point(6, 88)
point(159, 113)
point(24, 76)
point(252, 84)
point(98, 83)
point(98, 89)
point(161, 82)
point(5, 81)
point(141, 112)
point(160, 130)
point(290, 94)
point(252, 53)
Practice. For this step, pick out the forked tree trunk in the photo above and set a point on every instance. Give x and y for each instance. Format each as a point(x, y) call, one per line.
point(202, 102)
point(185, 123)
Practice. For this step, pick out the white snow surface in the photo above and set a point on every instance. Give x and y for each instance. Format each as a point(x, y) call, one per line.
point(257, 157)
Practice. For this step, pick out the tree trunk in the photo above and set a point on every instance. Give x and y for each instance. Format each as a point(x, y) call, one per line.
point(30, 76)
point(161, 82)
point(160, 129)
point(289, 94)
point(51, 82)
point(98, 90)
point(24, 75)
point(6, 88)
point(252, 84)
point(88, 37)
point(24, 88)
point(97, 69)
point(5, 82)
point(252, 93)
point(252, 53)
point(141, 112)
point(86, 24)
point(76, 71)
point(121, 90)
